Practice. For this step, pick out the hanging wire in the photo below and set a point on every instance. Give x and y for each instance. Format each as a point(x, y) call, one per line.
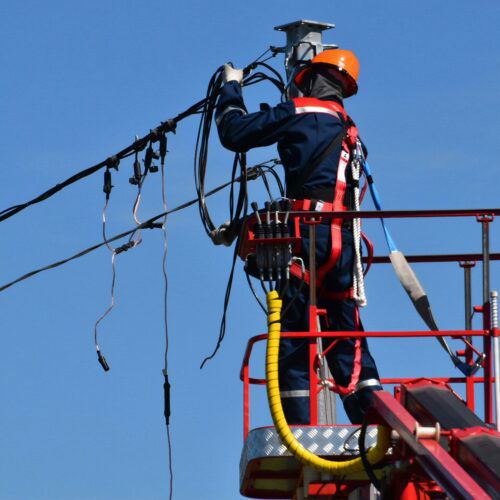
point(166, 126)
point(163, 153)
point(257, 298)
point(146, 224)
point(238, 203)
point(100, 357)
point(114, 252)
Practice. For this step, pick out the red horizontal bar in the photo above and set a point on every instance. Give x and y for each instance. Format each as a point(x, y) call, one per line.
point(400, 334)
point(463, 257)
point(403, 380)
point(409, 334)
point(446, 380)
point(400, 214)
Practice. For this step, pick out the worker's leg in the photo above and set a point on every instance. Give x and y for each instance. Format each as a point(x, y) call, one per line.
point(294, 353)
point(344, 316)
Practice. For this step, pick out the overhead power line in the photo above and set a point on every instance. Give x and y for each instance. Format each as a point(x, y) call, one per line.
point(253, 173)
point(138, 145)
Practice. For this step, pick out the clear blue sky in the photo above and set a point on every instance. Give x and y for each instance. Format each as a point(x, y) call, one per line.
point(79, 80)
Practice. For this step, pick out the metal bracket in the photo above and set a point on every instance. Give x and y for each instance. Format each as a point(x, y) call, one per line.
point(304, 40)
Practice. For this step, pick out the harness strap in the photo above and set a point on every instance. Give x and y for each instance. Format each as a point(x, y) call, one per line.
point(369, 248)
point(349, 137)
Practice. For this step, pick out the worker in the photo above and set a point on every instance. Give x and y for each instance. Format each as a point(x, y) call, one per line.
point(310, 130)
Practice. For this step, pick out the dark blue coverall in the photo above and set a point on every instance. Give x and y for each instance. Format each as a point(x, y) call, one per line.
point(301, 137)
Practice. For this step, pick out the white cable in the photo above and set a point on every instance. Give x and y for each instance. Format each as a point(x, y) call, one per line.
point(164, 262)
point(113, 278)
point(134, 213)
point(358, 276)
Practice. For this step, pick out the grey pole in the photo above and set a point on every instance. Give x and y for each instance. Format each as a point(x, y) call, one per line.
point(496, 354)
point(304, 40)
point(488, 369)
point(468, 296)
point(486, 260)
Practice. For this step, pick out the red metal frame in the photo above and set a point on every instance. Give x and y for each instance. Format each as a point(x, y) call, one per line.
point(428, 452)
point(248, 380)
point(430, 456)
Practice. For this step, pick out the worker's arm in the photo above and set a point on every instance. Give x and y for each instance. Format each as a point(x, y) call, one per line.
point(240, 131)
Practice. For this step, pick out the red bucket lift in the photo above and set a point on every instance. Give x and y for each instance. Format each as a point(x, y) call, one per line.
point(440, 447)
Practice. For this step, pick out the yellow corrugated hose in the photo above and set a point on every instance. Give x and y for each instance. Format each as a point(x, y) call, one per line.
point(374, 454)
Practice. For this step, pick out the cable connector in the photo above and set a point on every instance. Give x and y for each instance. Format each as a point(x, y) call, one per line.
point(136, 179)
point(125, 247)
point(253, 173)
point(166, 397)
point(277, 50)
point(108, 186)
point(102, 360)
point(113, 162)
point(152, 225)
point(169, 126)
point(151, 155)
point(163, 147)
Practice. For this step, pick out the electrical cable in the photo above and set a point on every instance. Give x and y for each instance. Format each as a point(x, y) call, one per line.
point(364, 457)
point(279, 184)
point(237, 209)
point(266, 185)
point(164, 127)
point(227, 296)
point(202, 145)
point(100, 357)
point(139, 180)
point(166, 384)
point(148, 224)
point(254, 292)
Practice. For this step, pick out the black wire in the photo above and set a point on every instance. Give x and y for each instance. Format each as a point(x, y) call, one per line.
point(170, 471)
point(366, 464)
point(163, 145)
point(249, 281)
point(146, 224)
point(236, 212)
point(266, 185)
point(169, 125)
point(277, 179)
point(294, 297)
point(113, 161)
point(222, 329)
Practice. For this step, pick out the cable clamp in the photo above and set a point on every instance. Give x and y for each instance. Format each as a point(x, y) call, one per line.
point(253, 173)
point(168, 126)
point(277, 50)
point(125, 247)
point(113, 162)
point(152, 225)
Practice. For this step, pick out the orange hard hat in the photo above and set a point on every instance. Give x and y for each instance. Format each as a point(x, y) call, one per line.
point(340, 60)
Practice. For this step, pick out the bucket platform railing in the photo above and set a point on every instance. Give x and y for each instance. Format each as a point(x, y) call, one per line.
point(469, 352)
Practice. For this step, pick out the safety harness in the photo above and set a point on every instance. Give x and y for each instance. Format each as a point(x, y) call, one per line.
point(349, 140)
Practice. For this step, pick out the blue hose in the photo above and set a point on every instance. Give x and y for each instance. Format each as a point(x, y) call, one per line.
point(376, 202)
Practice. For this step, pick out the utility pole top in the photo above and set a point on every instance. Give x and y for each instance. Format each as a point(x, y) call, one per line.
point(304, 40)
point(314, 25)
